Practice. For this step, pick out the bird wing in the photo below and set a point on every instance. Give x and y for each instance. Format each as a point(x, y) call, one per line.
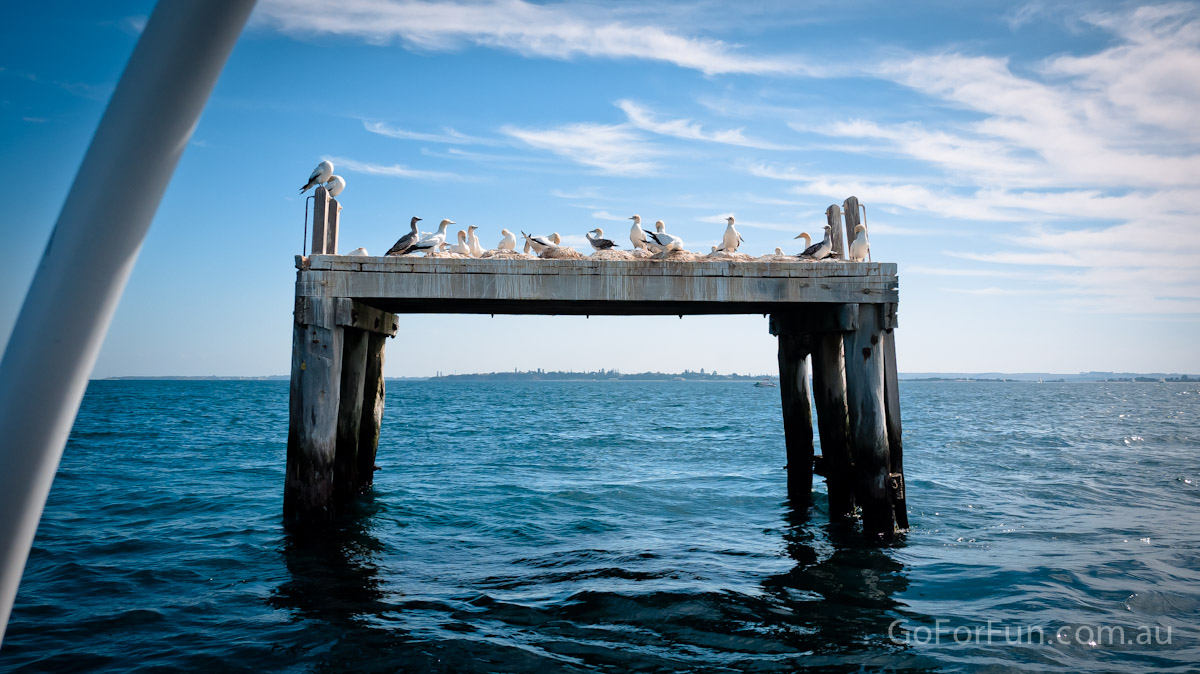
point(812, 250)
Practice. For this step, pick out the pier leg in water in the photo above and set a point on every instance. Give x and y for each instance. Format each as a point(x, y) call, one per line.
point(313, 409)
point(891, 392)
point(354, 365)
point(864, 350)
point(794, 348)
point(372, 412)
point(833, 423)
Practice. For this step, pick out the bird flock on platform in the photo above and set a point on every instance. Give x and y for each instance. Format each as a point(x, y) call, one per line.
point(646, 243)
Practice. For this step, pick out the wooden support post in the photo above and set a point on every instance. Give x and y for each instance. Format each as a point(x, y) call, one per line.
point(372, 412)
point(833, 217)
point(853, 219)
point(333, 218)
point(797, 414)
point(868, 428)
point(891, 393)
point(354, 365)
point(833, 423)
point(320, 224)
point(313, 409)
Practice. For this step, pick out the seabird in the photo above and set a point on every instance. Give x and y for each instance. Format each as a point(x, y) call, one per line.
point(663, 241)
point(636, 235)
point(432, 242)
point(779, 251)
point(806, 237)
point(461, 248)
point(359, 251)
point(405, 244)
point(539, 243)
point(821, 249)
point(732, 239)
point(650, 244)
point(599, 243)
point(335, 185)
point(319, 175)
point(473, 242)
point(860, 247)
point(509, 242)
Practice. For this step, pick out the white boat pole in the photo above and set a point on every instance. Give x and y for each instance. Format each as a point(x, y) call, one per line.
point(93, 247)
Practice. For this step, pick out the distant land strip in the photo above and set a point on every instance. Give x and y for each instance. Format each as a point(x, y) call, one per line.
point(703, 375)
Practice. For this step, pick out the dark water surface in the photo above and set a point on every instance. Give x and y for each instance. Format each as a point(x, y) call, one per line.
point(619, 527)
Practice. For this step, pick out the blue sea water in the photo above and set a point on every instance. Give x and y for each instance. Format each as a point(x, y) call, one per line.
point(614, 527)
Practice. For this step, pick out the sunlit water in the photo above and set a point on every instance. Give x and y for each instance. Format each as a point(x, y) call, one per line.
point(618, 527)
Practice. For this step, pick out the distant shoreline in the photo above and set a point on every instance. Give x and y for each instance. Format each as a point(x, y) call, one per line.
point(690, 376)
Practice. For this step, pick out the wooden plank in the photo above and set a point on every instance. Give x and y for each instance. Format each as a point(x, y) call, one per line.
point(814, 318)
point(331, 227)
point(360, 316)
point(320, 224)
point(312, 411)
point(603, 267)
point(891, 399)
point(833, 217)
point(868, 428)
point(797, 416)
point(372, 412)
point(349, 419)
point(853, 219)
point(833, 422)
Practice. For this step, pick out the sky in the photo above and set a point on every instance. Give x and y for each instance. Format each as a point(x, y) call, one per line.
point(1033, 169)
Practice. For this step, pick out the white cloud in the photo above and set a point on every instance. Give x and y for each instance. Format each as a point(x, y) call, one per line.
point(646, 120)
point(614, 149)
point(560, 31)
point(605, 215)
point(448, 135)
point(396, 170)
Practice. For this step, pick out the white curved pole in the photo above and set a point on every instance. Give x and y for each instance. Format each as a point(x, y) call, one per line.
point(93, 247)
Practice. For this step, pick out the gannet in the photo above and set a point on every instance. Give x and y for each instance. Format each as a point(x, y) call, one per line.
point(359, 251)
point(651, 246)
point(665, 242)
point(405, 244)
point(861, 246)
point(779, 251)
point(433, 242)
point(539, 243)
point(509, 242)
point(598, 242)
point(335, 185)
point(319, 175)
point(732, 239)
point(527, 246)
point(806, 237)
point(636, 235)
point(821, 249)
point(473, 242)
point(461, 248)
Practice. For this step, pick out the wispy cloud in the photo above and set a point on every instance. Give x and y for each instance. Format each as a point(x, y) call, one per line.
point(396, 170)
point(614, 149)
point(645, 119)
point(560, 31)
point(605, 215)
point(447, 136)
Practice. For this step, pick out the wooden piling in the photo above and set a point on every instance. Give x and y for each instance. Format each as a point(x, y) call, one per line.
point(868, 429)
point(833, 217)
point(320, 223)
point(333, 219)
point(313, 409)
point(891, 393)
point(350, 408)
point(372, 412)
point(833, 423)
point(797, 414)
point(853, 219)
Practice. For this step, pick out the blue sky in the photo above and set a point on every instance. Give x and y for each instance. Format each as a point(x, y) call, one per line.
point(1033, 169)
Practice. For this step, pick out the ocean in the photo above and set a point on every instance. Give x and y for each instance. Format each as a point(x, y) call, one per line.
point(616, 527)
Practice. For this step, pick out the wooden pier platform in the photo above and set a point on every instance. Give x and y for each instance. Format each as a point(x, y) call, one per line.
point(841, 313)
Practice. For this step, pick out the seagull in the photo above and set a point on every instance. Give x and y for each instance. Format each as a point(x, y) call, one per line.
point(473, 242)
point(650, 244)
point(732, 238)
point(405, 244)
point(319, 175)
point(539, 243)
point(663, 241)
point(461, 248)
point(509, 242)
point(861, 247)
point(635, 233)
point(335, 185)
point(432, 242)
point(821, 249)
point(599, 243)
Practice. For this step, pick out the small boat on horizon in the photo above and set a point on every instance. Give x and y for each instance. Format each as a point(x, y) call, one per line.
point(766, 383)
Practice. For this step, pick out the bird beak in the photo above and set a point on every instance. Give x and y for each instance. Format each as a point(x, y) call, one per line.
point(629, 218)
point(797, 236)
point(418, 219)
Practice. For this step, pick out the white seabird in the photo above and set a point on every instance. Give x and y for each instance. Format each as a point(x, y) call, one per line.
point(359, 252)
point(732, 238)
point(405, 244)
point(473, 242)
point(651, 246)
point(319, 175)
point(806, 237)
point(861, 247)
point(779, 251)
point(508, 242)
point(663, 241)
point(539, 243)
point(636, 235)
point(821, 249)
point(598, 242)
point(461, 248)
point(335, 185)
point(432, 242)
